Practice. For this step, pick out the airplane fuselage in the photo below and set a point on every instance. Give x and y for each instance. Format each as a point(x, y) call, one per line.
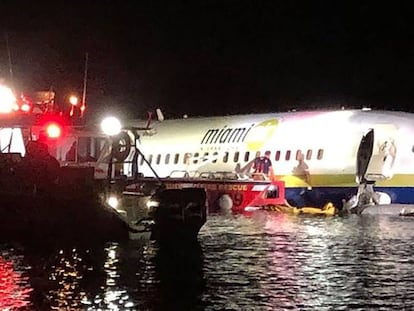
point(328, 141)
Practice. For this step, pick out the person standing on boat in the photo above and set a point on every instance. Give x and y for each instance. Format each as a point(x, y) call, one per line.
point(262, 166)
point(41, 170)
point(72, 154)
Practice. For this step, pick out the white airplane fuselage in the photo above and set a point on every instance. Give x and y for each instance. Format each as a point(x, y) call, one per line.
point(328, 140)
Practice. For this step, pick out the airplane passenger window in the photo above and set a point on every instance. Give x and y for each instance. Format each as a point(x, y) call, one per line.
point(236, 157)
point(176, 158)
point(167, 158)
point(141, 160)
point(246, 156)
point(149, 159)
point(195, 158)
point(215, 154)
point(158, 159)
point(277, 155)
point(298, 154)
point(287, 156)
point(226, 157)
point(320, 154)
point(309, 154)
point(187, 157)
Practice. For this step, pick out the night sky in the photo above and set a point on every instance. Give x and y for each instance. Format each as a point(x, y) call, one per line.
point(213, 57)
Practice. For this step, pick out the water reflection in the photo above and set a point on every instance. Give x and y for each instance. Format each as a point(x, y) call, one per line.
point(273, 262)
point(262, 262)
point(179, 271)
point(62, 278)
point(130, 276)
point(113, 296)
point(14, 286)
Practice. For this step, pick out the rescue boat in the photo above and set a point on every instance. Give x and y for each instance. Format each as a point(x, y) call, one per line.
point(49, 184)
point(272, 199)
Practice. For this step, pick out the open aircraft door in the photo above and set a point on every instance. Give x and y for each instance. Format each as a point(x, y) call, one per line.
point(376, 154)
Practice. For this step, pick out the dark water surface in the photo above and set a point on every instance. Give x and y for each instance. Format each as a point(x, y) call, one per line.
point(261, 262)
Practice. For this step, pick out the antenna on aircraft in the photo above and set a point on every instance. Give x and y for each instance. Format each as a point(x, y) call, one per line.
point(149, 119)
point(160, 117)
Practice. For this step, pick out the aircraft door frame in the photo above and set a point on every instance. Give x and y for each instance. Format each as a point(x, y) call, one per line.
point(376, 154)
point(364, 155)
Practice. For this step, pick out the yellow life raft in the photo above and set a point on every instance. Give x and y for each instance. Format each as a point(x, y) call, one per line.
point(328, 210)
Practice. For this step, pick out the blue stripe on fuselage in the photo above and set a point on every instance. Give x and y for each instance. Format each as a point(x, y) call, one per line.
point(318, 197)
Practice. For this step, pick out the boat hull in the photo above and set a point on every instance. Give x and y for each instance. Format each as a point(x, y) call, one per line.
point(50, 219)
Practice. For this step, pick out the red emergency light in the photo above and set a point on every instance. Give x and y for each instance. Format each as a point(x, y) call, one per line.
point(53, 130)
point(51, 127)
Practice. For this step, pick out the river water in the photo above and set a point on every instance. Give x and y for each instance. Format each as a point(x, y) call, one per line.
point(261, 261)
